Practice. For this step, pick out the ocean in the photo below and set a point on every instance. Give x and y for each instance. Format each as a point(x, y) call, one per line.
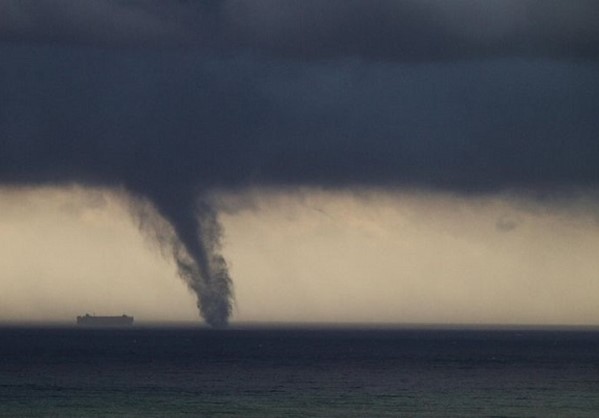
point(298, 372)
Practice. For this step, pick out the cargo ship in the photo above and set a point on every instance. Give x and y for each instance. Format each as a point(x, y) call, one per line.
point(88, 320)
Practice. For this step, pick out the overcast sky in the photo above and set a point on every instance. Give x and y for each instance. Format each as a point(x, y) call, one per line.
point(413, 161)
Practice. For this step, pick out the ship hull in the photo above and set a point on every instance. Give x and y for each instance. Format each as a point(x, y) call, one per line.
point(104, 321)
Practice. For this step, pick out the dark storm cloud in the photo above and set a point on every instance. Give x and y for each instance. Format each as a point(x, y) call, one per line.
point(238, 103)
point(381, 29)
point(197, 122)
point(415, 29)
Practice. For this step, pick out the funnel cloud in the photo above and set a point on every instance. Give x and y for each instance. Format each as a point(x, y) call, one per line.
point(172, 101)
point(192, 237)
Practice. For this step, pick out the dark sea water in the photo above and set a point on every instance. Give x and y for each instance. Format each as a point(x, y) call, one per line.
point(62, 372)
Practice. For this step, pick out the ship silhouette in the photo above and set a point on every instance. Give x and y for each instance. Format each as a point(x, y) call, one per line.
point(88, 320)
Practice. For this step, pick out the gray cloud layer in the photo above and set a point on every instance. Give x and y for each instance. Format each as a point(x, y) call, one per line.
point(243, 100)
point(381, 29)
point(187, 119)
